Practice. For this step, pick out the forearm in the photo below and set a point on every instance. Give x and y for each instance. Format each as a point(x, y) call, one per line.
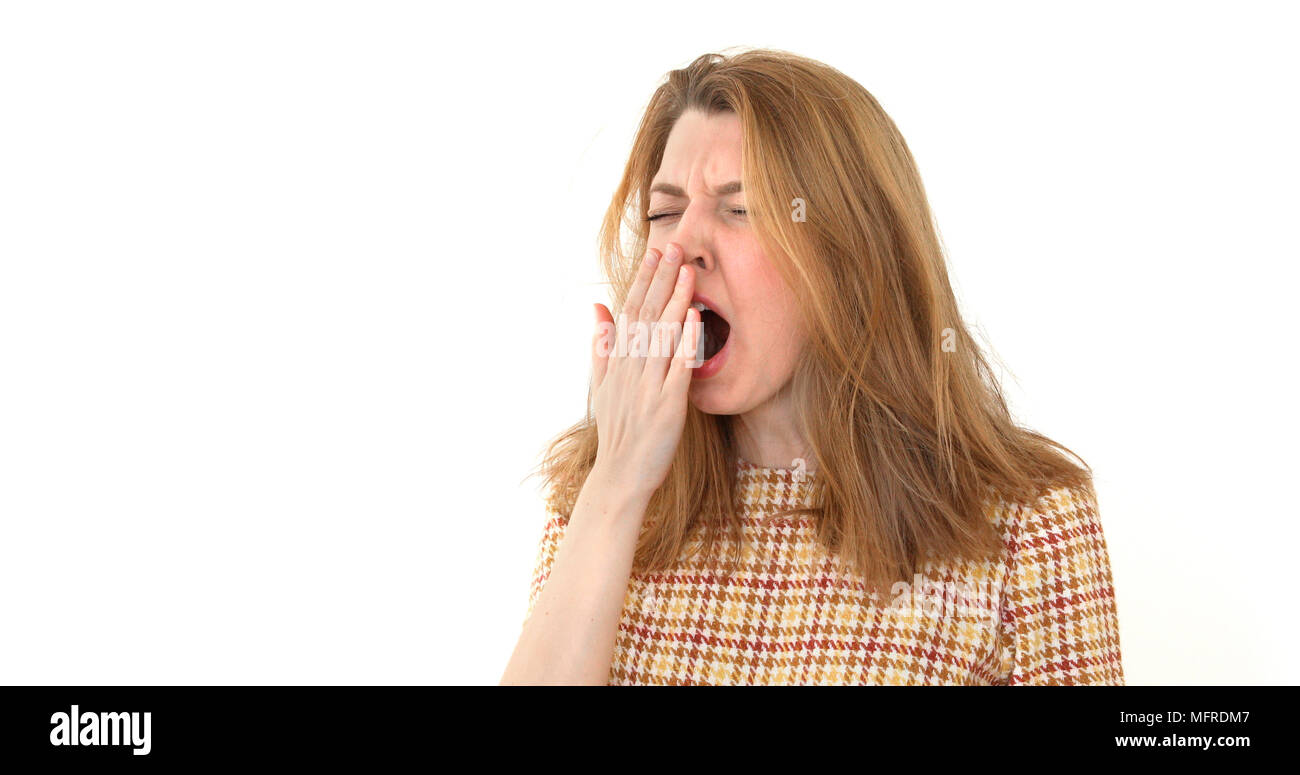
point(570, 636)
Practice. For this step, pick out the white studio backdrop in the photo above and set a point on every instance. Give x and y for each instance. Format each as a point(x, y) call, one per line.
point(293, 294)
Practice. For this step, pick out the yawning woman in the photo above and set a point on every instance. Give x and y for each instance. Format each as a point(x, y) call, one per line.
point(826, 487)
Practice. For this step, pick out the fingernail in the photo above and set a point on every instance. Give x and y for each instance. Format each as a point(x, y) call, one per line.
point(673, 252)
point(650, 258)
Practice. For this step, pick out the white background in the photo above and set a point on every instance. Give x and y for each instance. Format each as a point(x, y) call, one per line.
point(293, 294)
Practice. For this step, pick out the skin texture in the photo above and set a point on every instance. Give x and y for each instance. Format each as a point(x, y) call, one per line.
point(640, 408)
point(703, 153)
point(640, 401)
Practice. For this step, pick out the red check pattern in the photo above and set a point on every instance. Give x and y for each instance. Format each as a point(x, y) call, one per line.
point(1043, 613)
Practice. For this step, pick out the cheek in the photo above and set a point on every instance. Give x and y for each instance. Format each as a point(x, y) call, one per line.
point(774, 311)
point(783, 342)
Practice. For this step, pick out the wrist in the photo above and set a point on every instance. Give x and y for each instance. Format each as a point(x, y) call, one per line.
point(610, 493)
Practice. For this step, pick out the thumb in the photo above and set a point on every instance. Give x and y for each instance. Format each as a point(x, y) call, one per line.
point(602, 344)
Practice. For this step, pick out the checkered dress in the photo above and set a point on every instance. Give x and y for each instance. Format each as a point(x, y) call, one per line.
point(792, 613)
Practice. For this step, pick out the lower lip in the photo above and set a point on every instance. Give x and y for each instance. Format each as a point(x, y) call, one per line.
point(713, 365)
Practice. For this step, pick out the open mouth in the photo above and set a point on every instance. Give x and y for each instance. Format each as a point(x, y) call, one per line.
point(716, 329)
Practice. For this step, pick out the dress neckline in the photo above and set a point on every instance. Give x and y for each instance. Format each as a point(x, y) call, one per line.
point(765, 491)
point(745, 465)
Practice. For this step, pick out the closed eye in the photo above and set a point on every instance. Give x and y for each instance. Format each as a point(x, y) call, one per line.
point(739, 211)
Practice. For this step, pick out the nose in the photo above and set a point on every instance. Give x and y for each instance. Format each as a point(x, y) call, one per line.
point(700, 258)
point(692, 236)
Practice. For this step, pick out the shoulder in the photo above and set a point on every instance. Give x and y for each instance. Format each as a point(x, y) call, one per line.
point(552, 528)
point(1059, 614)
point(1060, 515)
point(1056, 556)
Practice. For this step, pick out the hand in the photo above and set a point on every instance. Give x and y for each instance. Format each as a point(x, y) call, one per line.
point(639, 392)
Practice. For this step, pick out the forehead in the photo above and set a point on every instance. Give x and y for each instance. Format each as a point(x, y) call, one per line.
point(702, 150)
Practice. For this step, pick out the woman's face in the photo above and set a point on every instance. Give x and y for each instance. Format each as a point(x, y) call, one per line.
point(696, 202)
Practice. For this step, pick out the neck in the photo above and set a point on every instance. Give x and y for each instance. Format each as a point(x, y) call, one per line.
point(768, 435)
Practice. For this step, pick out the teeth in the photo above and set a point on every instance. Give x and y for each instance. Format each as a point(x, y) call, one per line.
point(699, 347)
point(699, 340)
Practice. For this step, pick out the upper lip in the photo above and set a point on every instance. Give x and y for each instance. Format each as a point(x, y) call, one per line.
point(711, 304)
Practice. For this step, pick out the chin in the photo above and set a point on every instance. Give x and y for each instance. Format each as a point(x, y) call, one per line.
point(713, 397)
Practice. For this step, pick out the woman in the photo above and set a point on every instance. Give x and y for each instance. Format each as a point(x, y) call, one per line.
point(832, 491)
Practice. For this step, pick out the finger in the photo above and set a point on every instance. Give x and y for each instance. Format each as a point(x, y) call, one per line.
point(661, 287)
point(679, 375)
point(602, 344)
point(669, 324)
point(636, 294)
point(680, 300)
point(632, 344)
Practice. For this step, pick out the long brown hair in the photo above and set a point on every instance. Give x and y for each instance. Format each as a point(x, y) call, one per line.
point(910, 432)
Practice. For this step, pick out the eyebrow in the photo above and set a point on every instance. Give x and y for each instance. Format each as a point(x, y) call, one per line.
point(725, 189)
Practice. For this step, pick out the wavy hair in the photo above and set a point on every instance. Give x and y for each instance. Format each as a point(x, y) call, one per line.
point(911, 438)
